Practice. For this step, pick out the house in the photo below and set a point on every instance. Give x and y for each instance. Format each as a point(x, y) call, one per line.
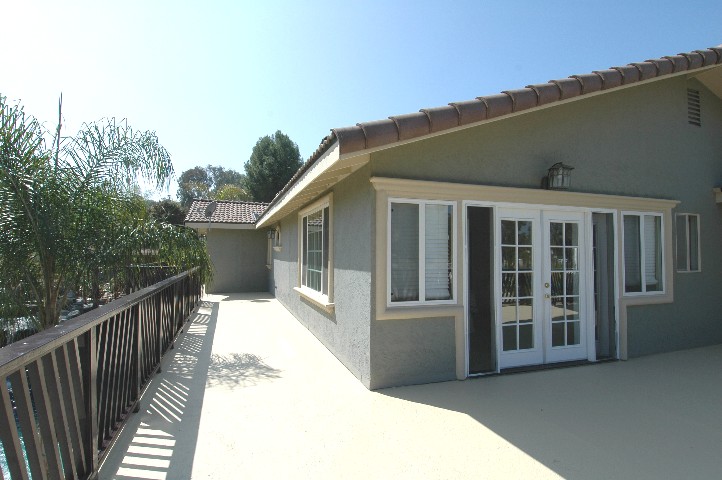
point(571, 221)
point(237, 250)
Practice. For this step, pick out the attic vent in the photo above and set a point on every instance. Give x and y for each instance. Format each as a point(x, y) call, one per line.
point(693, 108)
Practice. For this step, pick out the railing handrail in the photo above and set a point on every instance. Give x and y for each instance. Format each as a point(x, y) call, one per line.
point(17, 354)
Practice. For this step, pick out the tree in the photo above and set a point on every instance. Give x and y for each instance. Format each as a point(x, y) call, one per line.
point(168, 211)
point(69, 216)
point(273, 162)
point(212, 182)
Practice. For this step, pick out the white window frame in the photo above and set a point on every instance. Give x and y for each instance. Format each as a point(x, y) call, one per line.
point(642, 260)
point(318, 297)
point(684, 217)
point(422, 252)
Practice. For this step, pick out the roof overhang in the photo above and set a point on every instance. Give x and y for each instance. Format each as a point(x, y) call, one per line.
point(221, 226)
point(325, 172)
point(333, 166)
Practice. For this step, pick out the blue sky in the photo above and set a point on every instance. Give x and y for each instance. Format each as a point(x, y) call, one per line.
point(213, 77)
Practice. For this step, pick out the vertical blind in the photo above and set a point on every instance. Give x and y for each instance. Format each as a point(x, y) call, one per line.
point(643, 253)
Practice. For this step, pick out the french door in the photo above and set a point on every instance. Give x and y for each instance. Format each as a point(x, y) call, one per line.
point(541, 293)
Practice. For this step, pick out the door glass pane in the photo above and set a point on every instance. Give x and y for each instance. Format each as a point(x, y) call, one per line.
point(570, 255)
point(572, 308)
point(556, 234)
point(525, 285)
point(557, 283)
point(526, 336)
point(508, 232)
point(557, 258)
point(557, 308)
point(557, 334)
point(508, 333)
point(508, 258)
point(525, 233)
point(571, 234)
point(525, 258)
point(508, 284)
point(572, 283)
point(526, 310)
point(508, 310)
point(573, 333)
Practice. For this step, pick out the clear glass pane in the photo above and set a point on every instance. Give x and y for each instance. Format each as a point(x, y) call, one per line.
point(508, 258)
point(508, 232)
point(437, 241)
point(653, 253)
point(525, 258)
point(404, 252)
point(508, 310)
point(632, 255)
point(557, 283)
point(557, 259)
point(571, 255)
point(693, 243)
point(556, 234)
point(558, 334)
point(525, 285)
point(572, 308)
point(526, 336)
point(572, 283)
point(571, 234)
point(508, 284)
point(525, 233)
point(682, 247)
point(526, 310)
point(508, 333)
point(557, 308)
point(573, 330)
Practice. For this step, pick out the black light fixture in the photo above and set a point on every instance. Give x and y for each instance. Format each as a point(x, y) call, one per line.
point(559, 177)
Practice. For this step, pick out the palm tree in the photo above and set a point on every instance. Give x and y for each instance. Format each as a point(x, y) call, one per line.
point(69, 215)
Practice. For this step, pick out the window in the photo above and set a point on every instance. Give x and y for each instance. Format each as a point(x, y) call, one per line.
point(420, 249)
point(688, 258)
point(643, 255)
point(315, 251)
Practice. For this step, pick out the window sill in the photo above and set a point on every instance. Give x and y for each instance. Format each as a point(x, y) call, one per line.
point(401, 312)
point(316, 298)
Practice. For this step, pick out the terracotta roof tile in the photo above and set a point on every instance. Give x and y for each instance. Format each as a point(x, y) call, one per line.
point(470, 111)
point(546, 92)
point(412, 125)
point(498, 105)
point(402, 127)
point(442, 118)
point(226, 212)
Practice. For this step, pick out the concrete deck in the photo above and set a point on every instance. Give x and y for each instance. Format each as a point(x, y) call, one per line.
point(249, 393)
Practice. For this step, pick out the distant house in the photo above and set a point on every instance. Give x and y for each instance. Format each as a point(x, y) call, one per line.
point(450, 243)
point(237, 249)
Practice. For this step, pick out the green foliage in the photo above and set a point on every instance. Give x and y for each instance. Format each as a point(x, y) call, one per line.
point(168, 211)
point(69, 216)
point(273, 162)
point(211, 182)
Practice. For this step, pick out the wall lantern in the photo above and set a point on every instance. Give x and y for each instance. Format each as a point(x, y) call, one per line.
point(559, 177)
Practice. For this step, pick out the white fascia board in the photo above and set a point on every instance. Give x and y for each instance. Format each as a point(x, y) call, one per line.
point(327, 160)
point(221, 226)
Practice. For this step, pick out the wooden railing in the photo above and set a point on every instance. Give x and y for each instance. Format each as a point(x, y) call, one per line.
point(65, 392)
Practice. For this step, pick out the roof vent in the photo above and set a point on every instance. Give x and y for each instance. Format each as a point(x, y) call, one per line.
point(693, 108)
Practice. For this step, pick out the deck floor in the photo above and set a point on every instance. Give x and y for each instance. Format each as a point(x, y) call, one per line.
point(249, 393)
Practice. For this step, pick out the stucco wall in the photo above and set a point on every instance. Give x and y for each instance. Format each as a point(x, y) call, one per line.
point(239, 260)
point(634, 142)
point(346, 331)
